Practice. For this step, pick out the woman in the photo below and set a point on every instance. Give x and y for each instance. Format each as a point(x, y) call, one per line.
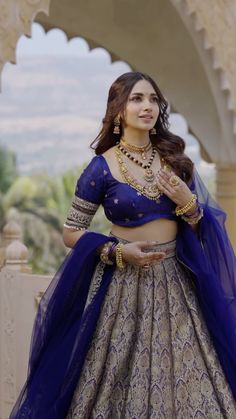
point(140, 324)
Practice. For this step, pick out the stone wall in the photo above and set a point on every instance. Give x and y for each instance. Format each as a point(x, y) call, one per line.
point(218, 18)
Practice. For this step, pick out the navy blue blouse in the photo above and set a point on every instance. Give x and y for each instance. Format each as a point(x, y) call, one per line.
point(123, 205)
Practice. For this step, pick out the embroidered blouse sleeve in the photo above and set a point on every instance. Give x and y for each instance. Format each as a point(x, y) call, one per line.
point(89, 194)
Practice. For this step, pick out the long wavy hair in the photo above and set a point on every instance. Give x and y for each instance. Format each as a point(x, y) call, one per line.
point(170, 146)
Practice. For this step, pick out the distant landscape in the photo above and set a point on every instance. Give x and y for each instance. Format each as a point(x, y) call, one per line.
point(51, 108)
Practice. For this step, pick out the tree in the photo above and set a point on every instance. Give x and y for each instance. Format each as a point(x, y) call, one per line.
point(8, 169)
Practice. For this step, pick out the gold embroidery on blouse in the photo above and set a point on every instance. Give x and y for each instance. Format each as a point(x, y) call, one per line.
point(80, 214)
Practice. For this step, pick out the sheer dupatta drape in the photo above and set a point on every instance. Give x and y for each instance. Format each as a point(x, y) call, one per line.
point(62, 332)
point(211, 258)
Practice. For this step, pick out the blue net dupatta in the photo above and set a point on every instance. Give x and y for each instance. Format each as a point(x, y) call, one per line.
point(210, 257)
point(62, 333)
point(63, 329)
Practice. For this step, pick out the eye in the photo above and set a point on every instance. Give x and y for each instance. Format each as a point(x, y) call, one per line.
point(135, 98)
point(155, 99)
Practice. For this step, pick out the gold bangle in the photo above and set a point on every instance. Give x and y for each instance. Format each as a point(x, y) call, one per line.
point(195, 219)
point(119, 259)
point(182, 210)
point(104, 253)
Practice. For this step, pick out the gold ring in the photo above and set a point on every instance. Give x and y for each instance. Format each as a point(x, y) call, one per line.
point(174, 180)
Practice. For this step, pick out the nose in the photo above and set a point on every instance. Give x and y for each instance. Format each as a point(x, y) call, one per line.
point(147, 104)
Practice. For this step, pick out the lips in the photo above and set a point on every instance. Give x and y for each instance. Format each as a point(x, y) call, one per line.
point(146, 117)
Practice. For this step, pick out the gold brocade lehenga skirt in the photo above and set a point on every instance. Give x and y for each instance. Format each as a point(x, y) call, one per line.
point(151, 355)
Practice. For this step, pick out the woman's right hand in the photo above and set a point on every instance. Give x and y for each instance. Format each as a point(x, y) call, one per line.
point(134, 253)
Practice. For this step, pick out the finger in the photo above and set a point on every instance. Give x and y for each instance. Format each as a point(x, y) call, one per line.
point(151, 261)
point(151, 256)
point(163, 178)
point(146, 244)
point(167, 173)
point(167, 176)
point(165, 187)
point(163, 175)
point(156, 256)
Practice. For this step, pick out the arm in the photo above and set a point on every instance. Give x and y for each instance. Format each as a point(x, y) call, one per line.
point(71, 236)
point(184, 196)
point(79, 218)
point(88, 196)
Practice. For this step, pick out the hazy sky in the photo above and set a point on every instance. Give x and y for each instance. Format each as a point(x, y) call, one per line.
point(77, 81)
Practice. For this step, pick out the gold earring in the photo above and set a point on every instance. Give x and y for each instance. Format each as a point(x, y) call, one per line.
point(153, 131)
point(116, 129)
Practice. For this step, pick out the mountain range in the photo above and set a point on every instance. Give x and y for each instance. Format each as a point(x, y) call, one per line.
point(51, 109)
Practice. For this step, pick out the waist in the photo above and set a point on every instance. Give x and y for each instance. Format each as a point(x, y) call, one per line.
point(169, 246)
point(161, 230)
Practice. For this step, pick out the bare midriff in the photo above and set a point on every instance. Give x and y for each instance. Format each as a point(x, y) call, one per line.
point(161, 230)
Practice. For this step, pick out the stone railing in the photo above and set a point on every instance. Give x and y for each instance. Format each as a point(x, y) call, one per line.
point(20, 292)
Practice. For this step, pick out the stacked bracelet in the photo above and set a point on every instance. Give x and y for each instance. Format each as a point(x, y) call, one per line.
point(105, 253)
point(111, 250)
point(119, 259)
point(182, 210)
point(193, 218)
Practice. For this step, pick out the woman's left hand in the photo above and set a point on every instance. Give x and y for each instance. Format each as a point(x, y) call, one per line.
point(173, 187)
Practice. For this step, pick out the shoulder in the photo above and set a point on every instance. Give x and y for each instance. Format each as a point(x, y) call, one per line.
point(90, 185)
point(110, 156)
point(94, 163)
point(110, 153)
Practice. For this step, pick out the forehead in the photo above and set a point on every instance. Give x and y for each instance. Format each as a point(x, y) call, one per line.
point(144, 87)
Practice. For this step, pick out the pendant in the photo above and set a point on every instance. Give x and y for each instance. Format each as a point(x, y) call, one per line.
point(149, 175)
point(153, 191)
point(143, 155)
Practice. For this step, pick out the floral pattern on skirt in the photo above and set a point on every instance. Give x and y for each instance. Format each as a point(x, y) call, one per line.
point(151, 355)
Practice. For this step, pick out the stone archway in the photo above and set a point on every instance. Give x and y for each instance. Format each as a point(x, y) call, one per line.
point(174, 42)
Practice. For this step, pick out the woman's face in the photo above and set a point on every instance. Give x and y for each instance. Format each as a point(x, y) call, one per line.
point(142, 110)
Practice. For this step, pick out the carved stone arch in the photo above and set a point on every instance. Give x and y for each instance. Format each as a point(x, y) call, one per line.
point(165, 38)
point(217, 77)
point(200, 97)
point(16, 19)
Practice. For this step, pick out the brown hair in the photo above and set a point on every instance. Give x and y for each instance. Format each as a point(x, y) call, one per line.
point(170, 146)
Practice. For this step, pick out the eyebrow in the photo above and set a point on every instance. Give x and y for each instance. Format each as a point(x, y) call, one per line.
point(141, 94)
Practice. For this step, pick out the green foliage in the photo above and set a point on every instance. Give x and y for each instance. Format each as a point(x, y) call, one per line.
point(42, 202)
point(69, 180)
point(8, 168)
point(21, 193)
point(45, 244)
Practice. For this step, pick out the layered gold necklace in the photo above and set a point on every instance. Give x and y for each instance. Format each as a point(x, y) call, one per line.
point(137, 149)
point(148, 172)
point(150, 190)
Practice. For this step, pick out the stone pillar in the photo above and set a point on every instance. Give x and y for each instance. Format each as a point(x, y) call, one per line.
point(11, 231)
point(226, 196)
point(17, 257)
point(13, 253)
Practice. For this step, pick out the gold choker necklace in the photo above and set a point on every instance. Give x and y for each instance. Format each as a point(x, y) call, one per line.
point(137, 149)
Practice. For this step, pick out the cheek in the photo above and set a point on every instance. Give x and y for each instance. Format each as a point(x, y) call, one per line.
point(131, 113)
point(157, 111)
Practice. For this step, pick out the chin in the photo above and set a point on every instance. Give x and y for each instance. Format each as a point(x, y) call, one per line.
point(146, 128)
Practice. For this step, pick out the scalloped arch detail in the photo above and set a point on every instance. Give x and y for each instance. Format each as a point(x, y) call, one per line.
point(188, 9)
point(91, 43)
point(16, 19)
